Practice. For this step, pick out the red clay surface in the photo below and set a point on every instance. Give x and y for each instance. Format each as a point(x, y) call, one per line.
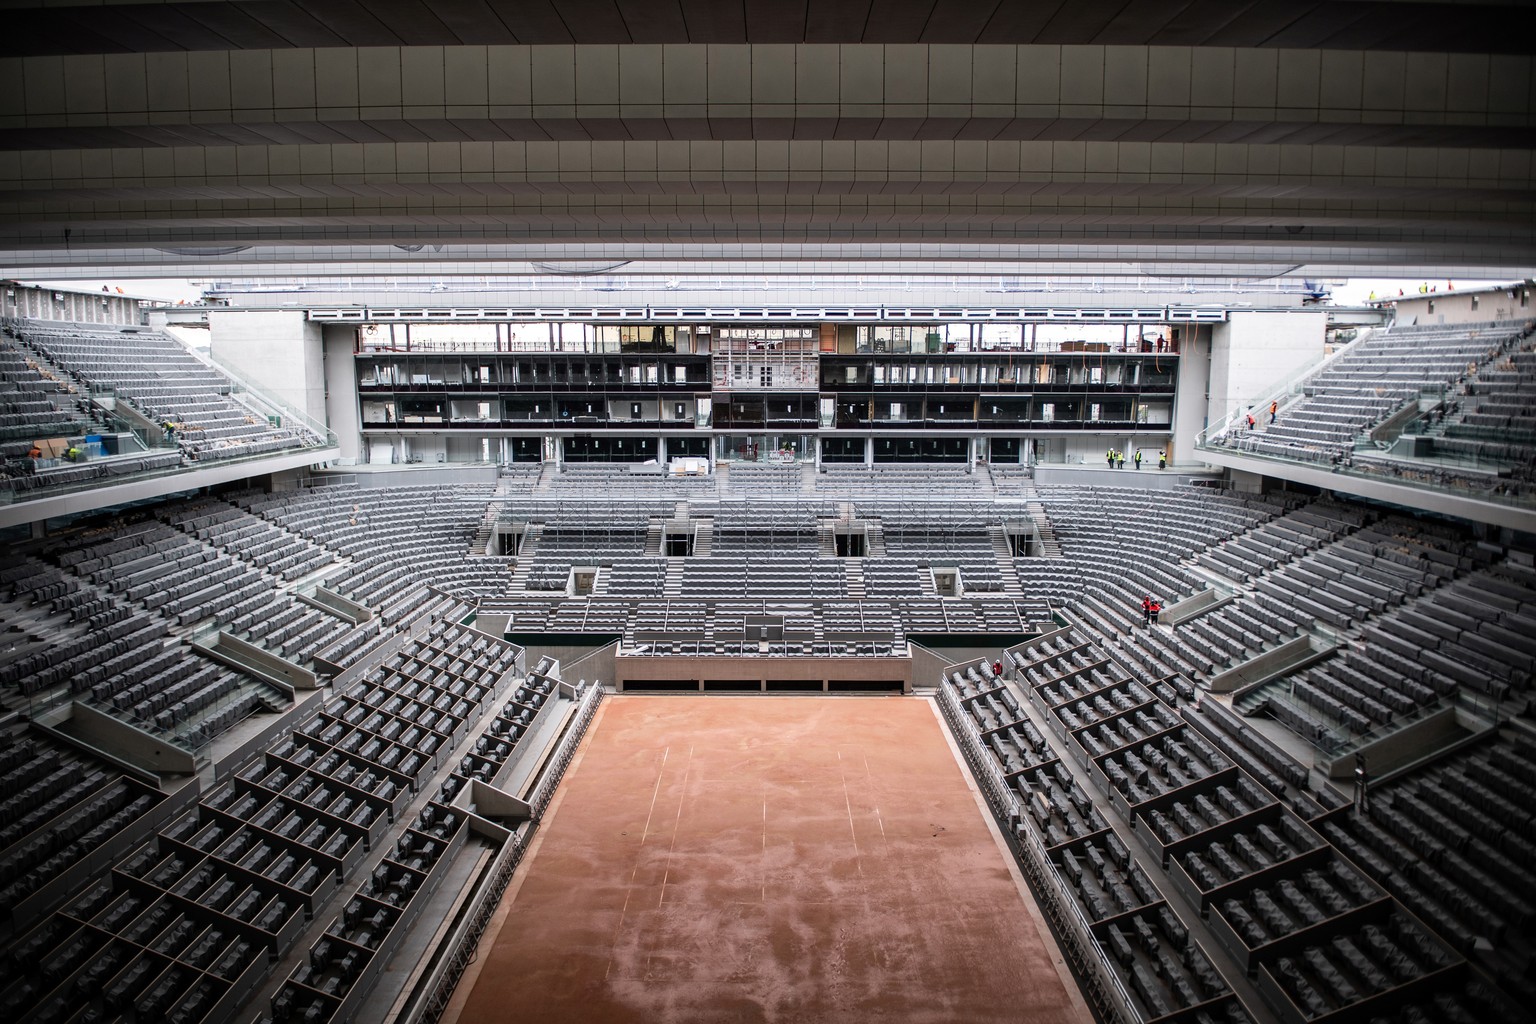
point(767, 859)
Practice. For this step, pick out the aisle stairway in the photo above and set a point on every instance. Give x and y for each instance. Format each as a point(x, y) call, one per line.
point(525, 552)
point(853, 578)
point(1005, 567)
point(1050, 547)
point(486, 530)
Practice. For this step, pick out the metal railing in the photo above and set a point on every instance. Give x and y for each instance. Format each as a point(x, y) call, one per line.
point(267, 405)
point(1287, 389)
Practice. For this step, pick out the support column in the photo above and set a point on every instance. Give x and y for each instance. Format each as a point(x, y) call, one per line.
point(869, 451)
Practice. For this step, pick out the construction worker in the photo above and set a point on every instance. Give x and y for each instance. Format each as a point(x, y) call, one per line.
point(1162, 458)
point(1138, 458)
point(1119, 460)
point(1109, 457)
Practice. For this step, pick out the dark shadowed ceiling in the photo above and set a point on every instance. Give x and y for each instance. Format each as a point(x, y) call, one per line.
point(1338, 136)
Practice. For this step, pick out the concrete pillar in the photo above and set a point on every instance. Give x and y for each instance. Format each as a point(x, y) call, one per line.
point(343, 413)
point(278, 351)
point(869, 451)
point(1253, 352)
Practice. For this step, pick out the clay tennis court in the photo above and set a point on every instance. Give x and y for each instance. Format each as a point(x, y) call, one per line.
point(767, 859)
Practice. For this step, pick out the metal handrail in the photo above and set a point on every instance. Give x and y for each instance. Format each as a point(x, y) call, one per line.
point(244, 391)
point(1286, 389)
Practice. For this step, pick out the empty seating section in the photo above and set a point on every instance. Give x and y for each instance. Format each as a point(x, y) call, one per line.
point(1365, 386)
point(560, 544)
point(250, 538)
point(576, 479)
point(1455, 841)
point(1302, 900)
point(819, 579)
point(887, 480)
point(37, 405)
point(1487, 423)
point(437, 688)
point(83, 642)
point(715, 625)
point(519, 477)
point(399, 539)
point(786, 529)
point(1412, 612)
point(30, 406)
point(57, 806)
point(165, 382)
point(202, 573)
point(1439, 635)
point(1010, 479)
point(1135, 934)
point(190, 921)
point(763, 480)
point(928, 536)
point(1127, 543)
point(33, 407)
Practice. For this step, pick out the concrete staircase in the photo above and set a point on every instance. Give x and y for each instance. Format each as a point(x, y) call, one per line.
point(853, 578)
point(653, 534)
point(486, 529)
point(874, 539)
point(525, 552)
point(703, 537)
point(546, 477)
point(808, 478)
point(1004, 552)
point(984, 471)
point(1050, 547)
point(672, 587)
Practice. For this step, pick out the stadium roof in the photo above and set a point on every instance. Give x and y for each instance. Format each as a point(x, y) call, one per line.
point(1328, 138)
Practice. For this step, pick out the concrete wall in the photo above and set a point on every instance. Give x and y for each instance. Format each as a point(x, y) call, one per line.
point(1475, 307)
point(1100, 475)
point(215, 474)
point(58, 304)
point(341, 408)
point(747, 669)
point(276, 351)
point(424, 475)
point(1254, 352)
point(1190, 405)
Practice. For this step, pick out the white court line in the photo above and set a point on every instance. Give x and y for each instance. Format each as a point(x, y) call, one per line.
point(676, 822)
point(848, 803)
point(878, 819)
point(660, 771)
point(763, 889)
